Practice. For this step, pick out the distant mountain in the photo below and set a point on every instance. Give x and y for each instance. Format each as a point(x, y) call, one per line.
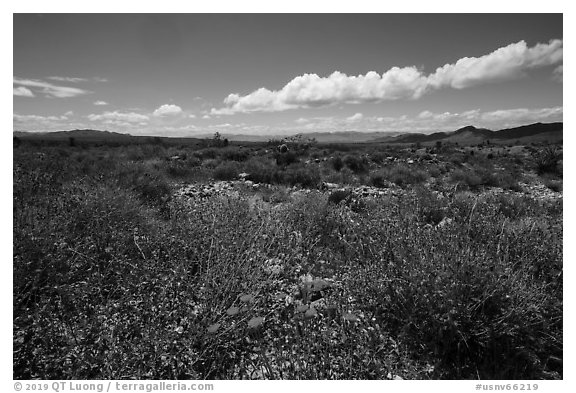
point(321, 137)
point(464, 135)
point(78, 134)
point(473, 135)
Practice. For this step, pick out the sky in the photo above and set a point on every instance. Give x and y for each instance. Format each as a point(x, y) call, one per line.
point(276, 74)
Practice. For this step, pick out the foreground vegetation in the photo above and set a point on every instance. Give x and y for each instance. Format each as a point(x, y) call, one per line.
point(116, 278)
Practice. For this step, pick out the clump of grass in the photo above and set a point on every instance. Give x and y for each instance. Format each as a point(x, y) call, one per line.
point(547, 160)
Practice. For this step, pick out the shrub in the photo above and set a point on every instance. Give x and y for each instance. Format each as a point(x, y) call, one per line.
point(357, 164)
point(547, 160)
point(337, 163)
point(554, 185)
point(338, 196)
point(234, 154)
point(307, 177)
point(379, 179)
point(227, 171)
point(466, 177)
point(285, 159)
point(403, 175)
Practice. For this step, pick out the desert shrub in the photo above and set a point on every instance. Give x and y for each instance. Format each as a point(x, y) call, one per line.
point(234, 154)
point(378, 157)
point(285, 159)
point(227, 171)
point(337, 163)
point(434, 170)
point(177, 169)
point(379, 179)
point(260, 171)
point(338, 196)
point(211, 163)
point(403, 175)
point(153, 189)
point(547, 160)
point(553, 184)
point(466, 177)
point(357, 164)
point(207, 153)
point(307, 177)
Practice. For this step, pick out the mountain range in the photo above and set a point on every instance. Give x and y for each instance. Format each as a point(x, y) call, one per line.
point(466, 135)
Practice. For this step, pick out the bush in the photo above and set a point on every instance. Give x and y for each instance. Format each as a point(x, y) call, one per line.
point(234, 154)
point(357, 164)
point(403, 175)
point(285, 159)
point(227, 171)
point(547, 160)
point(307, 177)
point(466, 177)
point(337, 163)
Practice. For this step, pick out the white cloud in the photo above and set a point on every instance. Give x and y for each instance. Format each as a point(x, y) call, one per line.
point(68, 114)
point(22, 91)
point(76, 80)
point(100, 103)
point(167, 110)
point(510, 62)
point(49, 89)
point(119, 118)
point(36, 118)
point(558, 74)
point(311, 90)
point(355, 117)
point(192, 116)
point(206, 117)
point(66, 79)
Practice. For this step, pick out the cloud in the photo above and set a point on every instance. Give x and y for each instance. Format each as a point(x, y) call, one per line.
point(311, 90)
point(76, 80)
point(22, 91)
point(36, 118)
point(355, 117)
point(119, 118)
point(510, 62)
point(49, 89)
point(67, 79)
point(558, 74)
point(167, 110)
point(100, 103)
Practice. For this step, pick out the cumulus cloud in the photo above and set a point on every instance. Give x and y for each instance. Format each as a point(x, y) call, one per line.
point(120, 118)
point(100, 103)
point(355, 117)
point(509, 62)
point(22, 91)
point(49, 89)
point(311, 90)
point(167, 110)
